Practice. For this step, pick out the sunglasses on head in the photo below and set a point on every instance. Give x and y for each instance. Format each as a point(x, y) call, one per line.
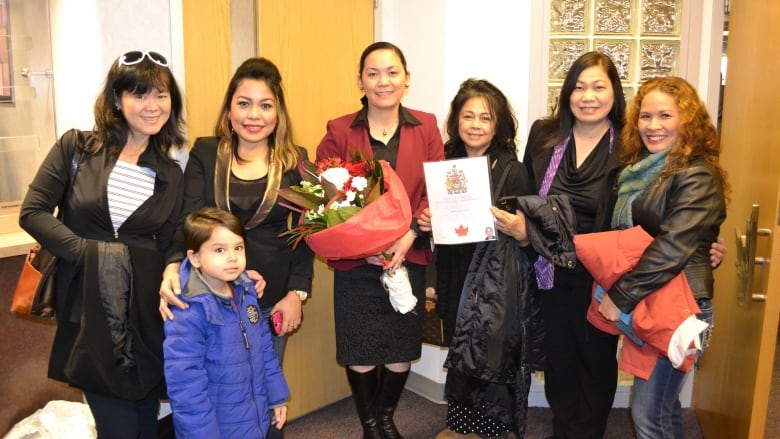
point(134, 57)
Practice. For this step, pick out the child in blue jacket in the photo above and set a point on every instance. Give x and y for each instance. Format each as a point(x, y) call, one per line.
point(222, 374)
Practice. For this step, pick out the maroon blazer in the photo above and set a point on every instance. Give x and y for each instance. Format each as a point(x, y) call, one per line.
point(418, 144)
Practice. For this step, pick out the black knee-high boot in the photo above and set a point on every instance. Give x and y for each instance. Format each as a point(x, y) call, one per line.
point(364, 392)
point(389, 394)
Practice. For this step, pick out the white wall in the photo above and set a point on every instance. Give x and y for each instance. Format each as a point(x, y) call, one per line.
point(449, 41)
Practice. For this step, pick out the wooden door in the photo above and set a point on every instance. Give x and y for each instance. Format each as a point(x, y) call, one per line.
point(317, 46)
point(207, 63)
point(731, 390)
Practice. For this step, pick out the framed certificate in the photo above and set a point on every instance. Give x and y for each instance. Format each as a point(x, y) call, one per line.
point(459, 197)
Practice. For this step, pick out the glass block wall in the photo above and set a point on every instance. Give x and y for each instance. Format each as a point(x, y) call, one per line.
point(641, 36)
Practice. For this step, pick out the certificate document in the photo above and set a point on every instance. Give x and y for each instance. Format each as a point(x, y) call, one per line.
point(459, 197)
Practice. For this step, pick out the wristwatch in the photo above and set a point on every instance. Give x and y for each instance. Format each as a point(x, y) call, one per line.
point(301, 294)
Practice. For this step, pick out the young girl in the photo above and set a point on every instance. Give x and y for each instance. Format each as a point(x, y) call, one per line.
point(222, 373)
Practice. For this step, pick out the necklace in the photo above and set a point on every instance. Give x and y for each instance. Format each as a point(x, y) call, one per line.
point(389, 129)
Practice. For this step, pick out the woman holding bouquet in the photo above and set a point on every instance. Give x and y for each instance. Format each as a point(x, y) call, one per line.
point(374, 342)
point(241, 170)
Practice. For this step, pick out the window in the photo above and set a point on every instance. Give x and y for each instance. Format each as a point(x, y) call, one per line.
point(641, 36)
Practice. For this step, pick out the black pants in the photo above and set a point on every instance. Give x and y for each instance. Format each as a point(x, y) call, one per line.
point(580, 375)
point(122, 419)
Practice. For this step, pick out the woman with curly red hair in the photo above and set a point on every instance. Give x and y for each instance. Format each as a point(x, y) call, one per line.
point(674, 187)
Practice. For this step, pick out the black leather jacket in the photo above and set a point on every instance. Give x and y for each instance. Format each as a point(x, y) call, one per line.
point(683, 213)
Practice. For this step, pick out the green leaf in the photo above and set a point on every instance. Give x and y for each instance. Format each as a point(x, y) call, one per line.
point(337, 216)
point(306, 200)
point(308, 171)
point(330, 190)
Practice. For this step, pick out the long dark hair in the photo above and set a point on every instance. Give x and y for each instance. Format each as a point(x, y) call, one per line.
point(111, 128)
point(500, 109)
point(280, 141)
point(559, 125)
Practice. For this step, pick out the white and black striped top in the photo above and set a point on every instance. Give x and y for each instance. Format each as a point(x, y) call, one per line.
point(128, 187)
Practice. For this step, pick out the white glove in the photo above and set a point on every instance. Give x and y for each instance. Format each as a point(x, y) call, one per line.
point(400, 290)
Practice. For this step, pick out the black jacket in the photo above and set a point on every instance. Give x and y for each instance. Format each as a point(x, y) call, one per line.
point(451, 261)
point(536, 159)
point(284, 269)
point(683, 212)
point(86, 218)
point(499, 334)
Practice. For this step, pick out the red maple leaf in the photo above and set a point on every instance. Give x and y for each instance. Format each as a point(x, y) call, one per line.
point(462, 230)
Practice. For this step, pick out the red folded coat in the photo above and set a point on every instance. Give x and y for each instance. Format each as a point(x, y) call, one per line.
point(665, 320)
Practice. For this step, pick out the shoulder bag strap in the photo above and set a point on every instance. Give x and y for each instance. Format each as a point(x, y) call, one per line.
point(75, 164)
point(501, 181)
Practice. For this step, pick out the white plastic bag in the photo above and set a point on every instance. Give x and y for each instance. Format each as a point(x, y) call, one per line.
point(57, 420)
point(400, 290)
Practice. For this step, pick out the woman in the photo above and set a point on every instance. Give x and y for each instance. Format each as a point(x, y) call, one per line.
point(480, 123)
point(111, 242)
point(241, 170)
point(580, 374)
point(673, 186)
point(374, 342)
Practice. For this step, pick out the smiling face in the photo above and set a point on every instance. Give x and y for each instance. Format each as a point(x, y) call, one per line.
point(146, 113)
point(476, 126)
point(593, 96)
point(253, 112)
point(221, 258)
point(659, 121)
point(383, 79)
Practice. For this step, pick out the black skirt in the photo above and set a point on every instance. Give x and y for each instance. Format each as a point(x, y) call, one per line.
point(368, 330)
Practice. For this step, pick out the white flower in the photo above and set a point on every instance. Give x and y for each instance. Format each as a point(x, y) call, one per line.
point(313, 215)
point(337, 176)
point(312, 189)
point(350, 196)
point(359, 183)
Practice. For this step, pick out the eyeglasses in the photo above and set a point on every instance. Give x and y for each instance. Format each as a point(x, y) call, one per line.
point(134, 57)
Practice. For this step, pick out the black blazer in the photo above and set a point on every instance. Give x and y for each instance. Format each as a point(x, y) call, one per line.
point(283, 268)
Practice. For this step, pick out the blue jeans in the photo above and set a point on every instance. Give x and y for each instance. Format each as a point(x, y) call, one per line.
point(655, 404)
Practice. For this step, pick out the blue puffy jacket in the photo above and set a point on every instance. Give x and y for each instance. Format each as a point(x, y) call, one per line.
point(220, 367)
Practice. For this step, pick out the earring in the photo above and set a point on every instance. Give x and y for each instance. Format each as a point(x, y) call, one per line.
point(361, 89)
point(407, 85)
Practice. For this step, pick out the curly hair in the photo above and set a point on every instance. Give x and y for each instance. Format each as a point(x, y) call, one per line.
point(280, 142)
point(499, 107)
point(698, 137)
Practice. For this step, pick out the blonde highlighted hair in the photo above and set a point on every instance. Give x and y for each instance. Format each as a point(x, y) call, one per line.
point(281, 144)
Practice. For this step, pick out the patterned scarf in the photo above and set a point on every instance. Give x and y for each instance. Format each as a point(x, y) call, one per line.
point(634, 181)
point(545, 271)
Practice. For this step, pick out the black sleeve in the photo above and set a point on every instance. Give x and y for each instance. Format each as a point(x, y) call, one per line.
point(47, 192)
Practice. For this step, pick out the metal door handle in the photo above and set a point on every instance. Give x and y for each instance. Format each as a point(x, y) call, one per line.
point(746, 255)
point(26, 72)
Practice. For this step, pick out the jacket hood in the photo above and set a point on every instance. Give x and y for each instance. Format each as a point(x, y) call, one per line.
point(193, 284)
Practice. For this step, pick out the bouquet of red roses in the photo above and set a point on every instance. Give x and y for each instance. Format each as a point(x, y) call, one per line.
point(350, 209)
